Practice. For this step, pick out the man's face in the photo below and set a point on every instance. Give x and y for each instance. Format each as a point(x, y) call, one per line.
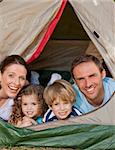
point(89, 80)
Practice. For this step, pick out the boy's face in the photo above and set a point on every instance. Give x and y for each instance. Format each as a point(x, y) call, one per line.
point(30, 106)
point(61, 108)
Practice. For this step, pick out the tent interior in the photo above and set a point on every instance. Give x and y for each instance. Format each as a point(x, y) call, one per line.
point(68, 40)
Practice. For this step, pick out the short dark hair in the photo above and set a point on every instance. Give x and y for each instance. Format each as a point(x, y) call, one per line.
point(86, 58)
point(12, 59)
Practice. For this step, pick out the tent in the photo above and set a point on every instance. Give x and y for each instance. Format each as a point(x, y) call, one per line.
point(26, 26)
point(33, 28)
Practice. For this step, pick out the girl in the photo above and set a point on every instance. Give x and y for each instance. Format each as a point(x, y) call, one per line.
point(60, 98)
point(28, 106)
point(13, 74)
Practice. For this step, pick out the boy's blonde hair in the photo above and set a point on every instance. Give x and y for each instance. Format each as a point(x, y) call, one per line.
point(59, 89)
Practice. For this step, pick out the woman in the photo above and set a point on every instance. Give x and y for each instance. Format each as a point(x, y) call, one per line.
point(12, 78)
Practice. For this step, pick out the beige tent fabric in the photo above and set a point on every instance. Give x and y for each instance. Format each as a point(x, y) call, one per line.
point(99, 16)
point(22, 22)
point(102, 116)
point(92, 50)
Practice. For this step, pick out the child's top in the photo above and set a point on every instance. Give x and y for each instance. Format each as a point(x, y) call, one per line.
point(39, 120)
point(50, 116)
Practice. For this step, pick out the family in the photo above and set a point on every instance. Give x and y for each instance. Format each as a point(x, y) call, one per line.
point(24, 104)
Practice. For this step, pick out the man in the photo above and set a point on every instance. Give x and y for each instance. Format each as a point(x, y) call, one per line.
point(93, 88)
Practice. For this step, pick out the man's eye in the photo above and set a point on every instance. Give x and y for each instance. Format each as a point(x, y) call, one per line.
point(93, 75)
point(80, 79)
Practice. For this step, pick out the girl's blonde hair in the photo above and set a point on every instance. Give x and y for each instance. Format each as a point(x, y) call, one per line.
point(59, 89)
point(17, 114)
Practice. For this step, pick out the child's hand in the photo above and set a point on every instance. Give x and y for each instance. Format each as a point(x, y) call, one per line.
point(27, 122)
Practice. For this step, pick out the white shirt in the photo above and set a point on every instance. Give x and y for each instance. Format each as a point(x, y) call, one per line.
point(6, 109)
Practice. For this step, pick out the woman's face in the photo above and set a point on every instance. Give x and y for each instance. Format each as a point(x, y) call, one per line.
point(12, 80)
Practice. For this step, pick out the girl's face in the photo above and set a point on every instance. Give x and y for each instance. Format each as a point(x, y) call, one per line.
point(61, 108)
point(12, 80)
point(30, 105)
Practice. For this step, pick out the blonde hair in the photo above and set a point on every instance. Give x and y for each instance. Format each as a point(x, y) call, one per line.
point(17, 114)
point(60, 88)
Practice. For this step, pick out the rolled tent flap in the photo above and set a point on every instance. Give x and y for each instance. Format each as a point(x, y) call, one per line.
point(83, 136)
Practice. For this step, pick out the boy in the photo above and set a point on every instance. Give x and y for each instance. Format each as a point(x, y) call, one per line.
point(60, 98)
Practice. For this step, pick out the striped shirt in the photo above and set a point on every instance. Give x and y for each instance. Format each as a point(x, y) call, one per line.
point(50, 116)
